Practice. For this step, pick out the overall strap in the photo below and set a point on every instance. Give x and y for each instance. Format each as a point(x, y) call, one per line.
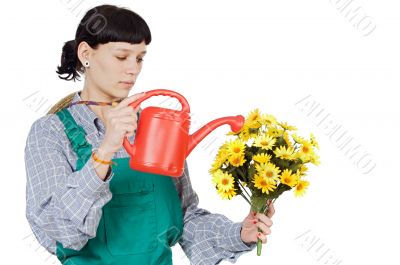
point(77, 136)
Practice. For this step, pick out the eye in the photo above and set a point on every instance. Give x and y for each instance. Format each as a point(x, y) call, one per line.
point(139, 60)
point(121, 58)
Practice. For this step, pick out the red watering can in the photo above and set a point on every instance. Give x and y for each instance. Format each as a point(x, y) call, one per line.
point(162, 140)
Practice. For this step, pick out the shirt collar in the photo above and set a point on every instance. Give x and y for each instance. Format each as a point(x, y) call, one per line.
point(86, 115)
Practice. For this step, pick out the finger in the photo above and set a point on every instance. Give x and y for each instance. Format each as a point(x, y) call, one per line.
point(128, 120)
point(271, 210)
point(263, 218)
point(251, 214)
point(265, 229)
point(125, 111)
point(129, 100)
point(262, 237)
point(124, 119)
point(128, 128)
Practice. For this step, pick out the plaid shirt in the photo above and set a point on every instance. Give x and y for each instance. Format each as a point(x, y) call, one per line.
point(66, 206)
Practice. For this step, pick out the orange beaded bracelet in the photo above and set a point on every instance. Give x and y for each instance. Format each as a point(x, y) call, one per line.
point(105, 162)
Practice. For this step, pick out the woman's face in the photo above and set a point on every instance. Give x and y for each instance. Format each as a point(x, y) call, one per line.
point(114, 67)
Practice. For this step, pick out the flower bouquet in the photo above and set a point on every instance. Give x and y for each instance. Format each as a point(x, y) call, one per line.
point(263, 160)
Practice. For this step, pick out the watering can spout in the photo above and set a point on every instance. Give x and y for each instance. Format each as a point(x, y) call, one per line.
point(236, 123)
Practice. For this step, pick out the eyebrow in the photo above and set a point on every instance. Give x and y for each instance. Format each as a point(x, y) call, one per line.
point(129, 50)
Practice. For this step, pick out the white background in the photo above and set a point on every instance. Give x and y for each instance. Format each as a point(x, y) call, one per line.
point(227, 58)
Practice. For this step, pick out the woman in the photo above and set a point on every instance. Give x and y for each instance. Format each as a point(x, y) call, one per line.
point(84, 203)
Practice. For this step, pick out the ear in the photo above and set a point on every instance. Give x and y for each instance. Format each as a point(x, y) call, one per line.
point(84, 51)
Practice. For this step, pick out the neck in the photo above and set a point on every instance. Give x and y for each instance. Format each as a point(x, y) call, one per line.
point(88, 94)
point(91, 94)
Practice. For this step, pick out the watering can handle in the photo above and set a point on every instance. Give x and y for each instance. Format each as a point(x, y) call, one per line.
point(156, 92)
point(163, 92)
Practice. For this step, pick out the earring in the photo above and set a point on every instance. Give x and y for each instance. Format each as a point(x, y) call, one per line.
point(86, 63)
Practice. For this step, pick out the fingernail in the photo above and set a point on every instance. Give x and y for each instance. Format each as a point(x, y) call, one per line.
point(259, 234)
point(254, 222)
point(254, 214)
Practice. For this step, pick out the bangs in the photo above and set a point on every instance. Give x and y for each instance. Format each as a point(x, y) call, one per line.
point(119, 26)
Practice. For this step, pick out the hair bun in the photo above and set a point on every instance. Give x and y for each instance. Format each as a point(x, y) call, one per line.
point(68, 61)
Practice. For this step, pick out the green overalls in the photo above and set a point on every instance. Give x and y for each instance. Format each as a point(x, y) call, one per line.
point(138, 225)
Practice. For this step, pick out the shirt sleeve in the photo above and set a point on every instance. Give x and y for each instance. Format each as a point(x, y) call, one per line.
point(208, 238)
point(64, 205)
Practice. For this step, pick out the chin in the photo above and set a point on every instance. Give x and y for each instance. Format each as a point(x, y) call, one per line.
point(122, 94)
point(119, 93)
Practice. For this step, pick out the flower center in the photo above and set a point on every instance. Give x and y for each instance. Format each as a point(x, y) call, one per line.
point(263, 183)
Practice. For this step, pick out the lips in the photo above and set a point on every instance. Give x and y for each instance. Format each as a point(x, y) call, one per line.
point(128, 82)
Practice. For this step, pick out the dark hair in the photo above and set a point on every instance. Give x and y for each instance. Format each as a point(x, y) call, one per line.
point(102, 24)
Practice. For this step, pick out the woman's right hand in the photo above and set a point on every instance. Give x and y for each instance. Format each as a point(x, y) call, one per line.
point(120, 122)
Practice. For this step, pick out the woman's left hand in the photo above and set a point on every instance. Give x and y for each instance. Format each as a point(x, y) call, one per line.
point(252, 222)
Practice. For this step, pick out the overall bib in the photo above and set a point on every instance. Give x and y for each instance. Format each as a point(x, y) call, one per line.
point(138, 225)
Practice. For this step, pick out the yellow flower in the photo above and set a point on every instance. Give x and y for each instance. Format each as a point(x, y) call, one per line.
point(306, 148)
point(286, 126)
point(234, 133)
point(225, 181)
point(264, 184)
point(227, 194)
point(268, 119)
point(266, 142)
point(287, 139)
point(268, 170)
point(235, 147)
point(298, 139)
point(288, 178)
point(301, 188)
point(274, 132)
point(306, 151)
point(217, 164)
point(303, 170)
point(216, 176)
point(285, 153)
point(220, 158)
point(223, 152)
point(237, 160)
point(254, 119)
point(313, 141)
point(315, 159)
point(245, 133)
point(253, 133)
point(262, 158)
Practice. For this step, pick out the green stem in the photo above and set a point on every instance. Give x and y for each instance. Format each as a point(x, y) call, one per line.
point(247, 200)
point(259, 246)
point(259, 242)
point(259, 205)
point(241, 173)
point(244, 189)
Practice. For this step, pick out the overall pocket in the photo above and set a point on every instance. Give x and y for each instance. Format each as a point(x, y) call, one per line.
point(130, 223)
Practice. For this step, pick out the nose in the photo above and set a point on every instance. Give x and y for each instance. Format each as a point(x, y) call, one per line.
point(133, 68)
